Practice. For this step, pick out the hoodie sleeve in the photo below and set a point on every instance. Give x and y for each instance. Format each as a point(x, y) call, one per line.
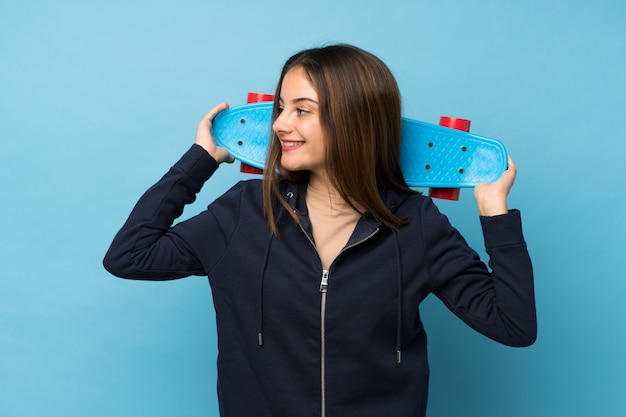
point(498, 301)
point(147, 246)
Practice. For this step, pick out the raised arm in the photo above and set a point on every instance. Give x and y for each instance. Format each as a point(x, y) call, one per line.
point(147, 246)
point(499, 302)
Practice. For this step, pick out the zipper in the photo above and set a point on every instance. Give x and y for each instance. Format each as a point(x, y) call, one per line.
point(324, 292)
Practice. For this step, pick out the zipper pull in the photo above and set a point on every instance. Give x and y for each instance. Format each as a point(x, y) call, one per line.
point(324, 283)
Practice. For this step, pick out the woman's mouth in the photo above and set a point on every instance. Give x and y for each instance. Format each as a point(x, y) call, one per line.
point(289, 145)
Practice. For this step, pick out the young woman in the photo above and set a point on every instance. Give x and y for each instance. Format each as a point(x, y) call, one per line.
point(318, 270)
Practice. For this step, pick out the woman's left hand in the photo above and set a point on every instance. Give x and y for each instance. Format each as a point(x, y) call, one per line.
point(491, 197)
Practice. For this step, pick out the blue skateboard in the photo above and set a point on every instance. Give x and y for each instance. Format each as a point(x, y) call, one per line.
point(430, 155)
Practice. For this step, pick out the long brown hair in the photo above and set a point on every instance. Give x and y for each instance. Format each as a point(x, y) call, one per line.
point(360, 114)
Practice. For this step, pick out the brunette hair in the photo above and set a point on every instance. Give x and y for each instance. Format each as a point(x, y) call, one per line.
point(360, 114)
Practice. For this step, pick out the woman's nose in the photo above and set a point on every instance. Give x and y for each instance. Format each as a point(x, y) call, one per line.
point(281, 124)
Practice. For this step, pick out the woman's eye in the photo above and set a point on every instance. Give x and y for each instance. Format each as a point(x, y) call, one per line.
point(302, 112)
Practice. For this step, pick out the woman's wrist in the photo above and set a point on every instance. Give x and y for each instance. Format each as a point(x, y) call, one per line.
point(492, 207)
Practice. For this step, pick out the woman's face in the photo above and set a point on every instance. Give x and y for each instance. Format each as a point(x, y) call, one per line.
point(298, 125)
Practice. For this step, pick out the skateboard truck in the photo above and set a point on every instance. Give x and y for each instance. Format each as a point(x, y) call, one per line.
point(458, 124)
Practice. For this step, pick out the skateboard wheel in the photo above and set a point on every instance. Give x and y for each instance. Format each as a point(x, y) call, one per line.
point(259, 97)
point(445, 193)
point(458, 124)
point(255, 98)
point(249, 169)
point(455, 123)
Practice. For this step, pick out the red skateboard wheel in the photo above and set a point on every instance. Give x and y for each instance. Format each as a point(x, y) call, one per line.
point(259, 97)
point(455, 123)
point(458, 124)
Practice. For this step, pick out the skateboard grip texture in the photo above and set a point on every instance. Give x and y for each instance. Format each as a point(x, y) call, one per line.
point(436, 156)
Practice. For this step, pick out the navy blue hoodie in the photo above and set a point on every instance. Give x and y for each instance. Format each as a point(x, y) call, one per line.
point(297, 340)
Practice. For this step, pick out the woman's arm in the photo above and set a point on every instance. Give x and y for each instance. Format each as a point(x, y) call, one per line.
point(498, 301)
point(147, 246)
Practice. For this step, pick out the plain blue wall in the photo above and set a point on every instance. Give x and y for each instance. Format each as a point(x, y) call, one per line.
point(98, 99)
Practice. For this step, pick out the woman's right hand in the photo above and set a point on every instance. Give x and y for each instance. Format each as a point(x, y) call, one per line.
point(491, 197)
point(204, 136)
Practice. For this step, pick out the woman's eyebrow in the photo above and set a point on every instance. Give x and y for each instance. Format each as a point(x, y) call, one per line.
point(299, 100)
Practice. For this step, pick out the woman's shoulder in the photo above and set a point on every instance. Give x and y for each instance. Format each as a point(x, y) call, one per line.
point(246, 188)
point(398, 199)
point(244, 193)
point(420, 208)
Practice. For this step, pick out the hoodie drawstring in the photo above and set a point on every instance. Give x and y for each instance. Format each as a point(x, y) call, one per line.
point(399, 306)
point(261, 283)
point(266, 256)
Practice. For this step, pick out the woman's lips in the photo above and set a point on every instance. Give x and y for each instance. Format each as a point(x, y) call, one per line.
point(290, 145)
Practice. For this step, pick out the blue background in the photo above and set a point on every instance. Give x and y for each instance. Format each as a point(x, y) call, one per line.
point(98, 99)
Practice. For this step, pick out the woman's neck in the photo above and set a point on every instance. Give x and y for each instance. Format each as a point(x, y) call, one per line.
point(322, 184)
point(332, 220)
point(326, 195)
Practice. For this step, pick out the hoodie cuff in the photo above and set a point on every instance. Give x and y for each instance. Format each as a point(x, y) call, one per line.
point(502, 230)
